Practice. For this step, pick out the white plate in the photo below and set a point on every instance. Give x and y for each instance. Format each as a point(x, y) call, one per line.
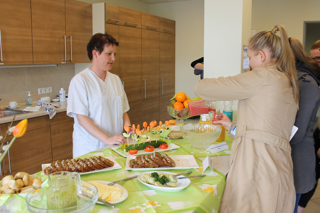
point(55, 99)
point(182, 162)
point(115, 166)
point(8, 107)
point(124, 191)
point(183, 183)
point(142, 152)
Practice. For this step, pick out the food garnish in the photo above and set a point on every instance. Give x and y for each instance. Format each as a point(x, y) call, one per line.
point(133, 151)
point(163, 146)
point(159, 179)
point(149, 148)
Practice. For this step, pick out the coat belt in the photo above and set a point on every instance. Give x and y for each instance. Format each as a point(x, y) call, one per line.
point(267, 138)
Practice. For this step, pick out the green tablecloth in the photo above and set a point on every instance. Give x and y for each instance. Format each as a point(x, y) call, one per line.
point(202, 195)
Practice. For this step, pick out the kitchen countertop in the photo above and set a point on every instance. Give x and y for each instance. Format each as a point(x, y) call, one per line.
point(41, 112)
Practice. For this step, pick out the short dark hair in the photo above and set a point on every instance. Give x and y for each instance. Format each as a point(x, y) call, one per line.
point(315, 45)
point(98, 41)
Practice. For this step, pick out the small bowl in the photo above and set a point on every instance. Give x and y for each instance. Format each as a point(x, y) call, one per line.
point(200, 136)
point(55, 99)
point(37, 200)
point(182, 183)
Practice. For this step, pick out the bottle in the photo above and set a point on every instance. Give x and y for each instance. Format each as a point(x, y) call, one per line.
point(62, 95)
point(227, 109)
point(29, 99)
point(205, 119)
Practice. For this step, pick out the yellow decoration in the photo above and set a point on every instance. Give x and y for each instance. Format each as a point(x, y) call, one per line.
point(209, 189)
point(151, 203)
point(136, 210)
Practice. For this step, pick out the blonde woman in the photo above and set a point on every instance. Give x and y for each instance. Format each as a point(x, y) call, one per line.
point(261, 174)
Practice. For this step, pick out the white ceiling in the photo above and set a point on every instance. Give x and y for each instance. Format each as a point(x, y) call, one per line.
point(159, 1)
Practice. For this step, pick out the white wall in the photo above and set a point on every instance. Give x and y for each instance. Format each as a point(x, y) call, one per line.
point(189, 38)
point(289, 13)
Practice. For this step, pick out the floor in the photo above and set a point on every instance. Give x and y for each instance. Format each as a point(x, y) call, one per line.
point(314, 204)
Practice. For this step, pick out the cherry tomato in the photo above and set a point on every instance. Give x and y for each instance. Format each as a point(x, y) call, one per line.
point(133, 151)
point(149, 148)
point(163, 146)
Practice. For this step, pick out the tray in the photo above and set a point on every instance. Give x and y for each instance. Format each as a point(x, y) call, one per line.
point(115, 166)
point(182, 162)
point(142, 152)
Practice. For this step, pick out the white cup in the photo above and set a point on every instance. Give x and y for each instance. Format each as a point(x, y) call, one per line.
point(13, 104)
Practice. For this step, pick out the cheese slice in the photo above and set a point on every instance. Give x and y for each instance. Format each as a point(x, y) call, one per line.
point(106, 192)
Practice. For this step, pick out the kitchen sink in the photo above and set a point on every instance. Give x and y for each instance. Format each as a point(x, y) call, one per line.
point(12, 112)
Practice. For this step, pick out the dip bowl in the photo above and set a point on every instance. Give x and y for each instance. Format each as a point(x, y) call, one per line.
point(200, 136)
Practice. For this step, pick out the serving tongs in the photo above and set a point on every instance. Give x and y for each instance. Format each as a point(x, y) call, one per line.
point(192, 176)
point(88, 195)
point(183, 173)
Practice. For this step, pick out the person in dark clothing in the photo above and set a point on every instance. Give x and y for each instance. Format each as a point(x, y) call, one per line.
point(302, 143)
point(198, 67)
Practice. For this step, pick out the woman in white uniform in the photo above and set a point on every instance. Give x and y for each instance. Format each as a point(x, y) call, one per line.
point(97, 100)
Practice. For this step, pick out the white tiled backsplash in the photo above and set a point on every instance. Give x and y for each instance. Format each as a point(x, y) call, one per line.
point(15, 82)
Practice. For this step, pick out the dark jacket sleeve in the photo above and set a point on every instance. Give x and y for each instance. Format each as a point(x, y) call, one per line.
point(200, 60)
point(307, 104)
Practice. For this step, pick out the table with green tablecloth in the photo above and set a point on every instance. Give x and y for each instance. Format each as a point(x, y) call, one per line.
point(202, 195)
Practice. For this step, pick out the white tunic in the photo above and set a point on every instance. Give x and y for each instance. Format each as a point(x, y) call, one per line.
point(103, 102)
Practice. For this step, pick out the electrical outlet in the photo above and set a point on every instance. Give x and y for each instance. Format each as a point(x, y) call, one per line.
point(44, 90)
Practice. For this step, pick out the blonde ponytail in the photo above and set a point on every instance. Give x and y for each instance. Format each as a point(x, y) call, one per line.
point(281, 53)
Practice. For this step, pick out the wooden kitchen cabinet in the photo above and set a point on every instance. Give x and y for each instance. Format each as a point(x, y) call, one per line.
point(135, 113)
point(112, 13)
point(150, 63)
point(49, 31)
point(167, 25)
point(151, 109)
point(150, 22)
point(15, 32)
point(61, 127)
point(130, 62)
point(30, 151)
point(114, 31)
point(167, 64)
point(122, 16)
point(78, 30)
point(45, 141)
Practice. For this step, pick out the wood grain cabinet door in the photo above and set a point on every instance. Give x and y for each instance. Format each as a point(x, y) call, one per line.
point(78, 30)
point(135, 113)
point(150, 64)
point(15, 32)
point(129, 18)
point(130, 62)
point(61, 138)
point(150, 22)
point(167, 26)
point(167, 64)
point(113, 30)
point(151, 110)
point(112, 14)
point(164, 103)
point(48, 30)
point(29, 152)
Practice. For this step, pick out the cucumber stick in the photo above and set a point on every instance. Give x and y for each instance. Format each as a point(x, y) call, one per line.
point(142, 146)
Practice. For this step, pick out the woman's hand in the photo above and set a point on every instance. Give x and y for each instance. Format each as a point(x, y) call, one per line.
point(225, 121)
point(117, 139)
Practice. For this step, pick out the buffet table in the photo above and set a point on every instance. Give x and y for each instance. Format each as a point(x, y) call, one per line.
point(202, 195)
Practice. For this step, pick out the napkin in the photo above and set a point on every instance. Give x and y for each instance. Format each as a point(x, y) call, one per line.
point(50, 108)
point(32, 109)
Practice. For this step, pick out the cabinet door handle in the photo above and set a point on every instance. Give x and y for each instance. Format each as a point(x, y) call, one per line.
point(65, 47)
point(168, 31)
point(161, 85)
point(145, 88)
point(1, 59)
point(130, 24)
point(9, 161)
point(70, 48)
point(151, 28)
point(113, 20)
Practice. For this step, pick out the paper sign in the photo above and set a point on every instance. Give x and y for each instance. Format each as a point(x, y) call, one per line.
point(207, 163)
point(214, 148)
point(293, 131)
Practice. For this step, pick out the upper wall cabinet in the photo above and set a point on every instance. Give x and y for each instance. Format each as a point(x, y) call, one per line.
point(150, 22)
point(49, 31)
point(122, 16)
point(167, 26)
point(15, 32)
point(61, 30)
point(78, 30)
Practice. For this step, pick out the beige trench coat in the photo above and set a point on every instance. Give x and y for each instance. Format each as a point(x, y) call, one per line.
point(260, 179)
